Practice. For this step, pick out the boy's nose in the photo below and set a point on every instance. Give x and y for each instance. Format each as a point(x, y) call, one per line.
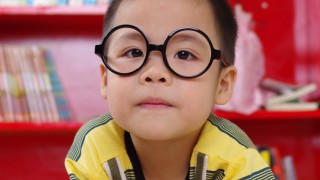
point(155, 71)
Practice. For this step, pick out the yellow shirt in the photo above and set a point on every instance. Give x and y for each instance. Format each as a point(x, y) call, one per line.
point(223, 151)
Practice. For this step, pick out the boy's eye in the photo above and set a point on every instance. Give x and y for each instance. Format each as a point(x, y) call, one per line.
point(134, 53)
point(184, 55)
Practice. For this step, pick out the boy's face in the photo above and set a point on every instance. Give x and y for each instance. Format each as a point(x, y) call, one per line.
point(153, 103)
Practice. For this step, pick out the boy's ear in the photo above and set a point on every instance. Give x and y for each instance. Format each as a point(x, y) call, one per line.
point(225, 85)
point(103, 81)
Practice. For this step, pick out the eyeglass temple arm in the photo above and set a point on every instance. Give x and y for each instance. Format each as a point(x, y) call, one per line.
point(220, 56)
point(98, 50)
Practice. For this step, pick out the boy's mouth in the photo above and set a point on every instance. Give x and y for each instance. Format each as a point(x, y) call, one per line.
point(154, 103)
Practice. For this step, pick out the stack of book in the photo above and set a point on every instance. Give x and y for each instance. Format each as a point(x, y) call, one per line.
point(30, 90)
point(282, 167)
point(289, 97)
point(52, 2)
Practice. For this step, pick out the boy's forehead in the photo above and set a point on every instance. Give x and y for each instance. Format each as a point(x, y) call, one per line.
point(161, 17)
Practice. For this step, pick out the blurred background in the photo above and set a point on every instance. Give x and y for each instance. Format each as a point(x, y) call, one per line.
point(49, 82)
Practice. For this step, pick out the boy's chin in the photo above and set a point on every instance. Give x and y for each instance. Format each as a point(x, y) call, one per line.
point(164, 127)
point(159, 134)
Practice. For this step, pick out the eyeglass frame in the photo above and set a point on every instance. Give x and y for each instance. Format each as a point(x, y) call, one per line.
point(215, 54)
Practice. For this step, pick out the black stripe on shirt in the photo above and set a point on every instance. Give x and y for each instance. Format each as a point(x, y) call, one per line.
point(231, 130)
point(73, 177)
point(75, 150)
point(263, 174)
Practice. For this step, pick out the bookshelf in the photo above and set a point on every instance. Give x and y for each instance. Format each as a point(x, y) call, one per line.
point(70, 34)
point(68, 31)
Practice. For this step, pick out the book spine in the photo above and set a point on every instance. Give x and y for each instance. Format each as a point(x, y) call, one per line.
point(89, 2)
point(2, 100)
point(10, 3)
point(29, 2)
point(28, 83)
point(23, 97)
point(75, 2)
point(8, 111)
point(289, 169)
point(36, 62)
point(49, 91)
point(14, 83)
point(57, 91)
point(62, 2)
point(102, 2)
point(44, 2)
point(37, 83)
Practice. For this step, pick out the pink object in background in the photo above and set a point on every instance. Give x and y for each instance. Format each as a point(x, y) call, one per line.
point(307, 42)
point(247, 97)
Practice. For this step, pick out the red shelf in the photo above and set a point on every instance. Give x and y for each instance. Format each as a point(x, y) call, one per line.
point(73, 126)
point(60, 10)
point(54, 127)
point(51, 20)
point(271, 115)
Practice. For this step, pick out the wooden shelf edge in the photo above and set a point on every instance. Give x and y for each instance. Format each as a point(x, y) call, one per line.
point(54, 10)
point(70, 126)
point(73, 126)
point(271, 115)
point(40, 127)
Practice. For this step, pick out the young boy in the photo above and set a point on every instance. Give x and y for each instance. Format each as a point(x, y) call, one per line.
point(166, 64)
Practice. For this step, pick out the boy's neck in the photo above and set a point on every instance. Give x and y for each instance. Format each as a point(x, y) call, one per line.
point(165, 159)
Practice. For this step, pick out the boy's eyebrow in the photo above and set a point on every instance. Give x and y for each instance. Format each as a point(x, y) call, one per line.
point(184, 37)
point(130, 36)
point(135, 35)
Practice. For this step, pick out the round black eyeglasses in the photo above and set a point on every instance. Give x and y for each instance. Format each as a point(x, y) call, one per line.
point(187, 52)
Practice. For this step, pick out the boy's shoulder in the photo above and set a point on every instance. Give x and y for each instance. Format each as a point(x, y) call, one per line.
point(101, 134)
point(231, 130)
point(93, 125)
point(222, 138)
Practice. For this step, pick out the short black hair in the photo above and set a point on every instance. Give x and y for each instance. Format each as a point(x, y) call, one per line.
point(224, 17)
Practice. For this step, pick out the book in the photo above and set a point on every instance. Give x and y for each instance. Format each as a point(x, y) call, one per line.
point(30, 89)
point(289, 168)
point(272, 157)
point(22, 90)
point(293, 106)
point(46, 88)
point(62, 2)
point(103, 2)
point(35, 62)
point(277, 167)
point(57, 90)
point(44, 2)
point(277, 86)
point(294, 95)
point(14, 85)
point(289, 97)
point(7, 106)
point(89, 2)
point(6, 3)
point(28, 84)
point(75, 2)
point(2, 99)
